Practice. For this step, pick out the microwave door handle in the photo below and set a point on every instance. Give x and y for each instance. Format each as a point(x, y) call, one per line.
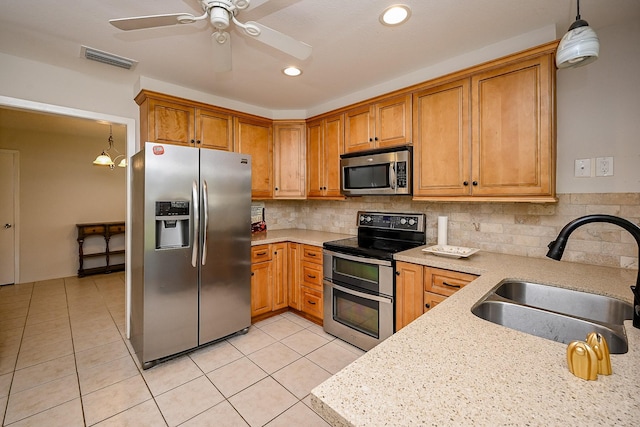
point(392, 175)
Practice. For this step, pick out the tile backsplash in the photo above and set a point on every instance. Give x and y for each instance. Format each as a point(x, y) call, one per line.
point(514, 228)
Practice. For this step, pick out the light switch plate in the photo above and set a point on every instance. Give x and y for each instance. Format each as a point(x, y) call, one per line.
point(582, 168)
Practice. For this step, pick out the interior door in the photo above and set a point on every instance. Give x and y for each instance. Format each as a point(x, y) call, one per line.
point(8, 192)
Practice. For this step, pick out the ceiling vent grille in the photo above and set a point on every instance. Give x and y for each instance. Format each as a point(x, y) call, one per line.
point(107, 58)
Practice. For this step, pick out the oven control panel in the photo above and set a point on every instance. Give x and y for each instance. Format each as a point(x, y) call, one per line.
point(398, 221)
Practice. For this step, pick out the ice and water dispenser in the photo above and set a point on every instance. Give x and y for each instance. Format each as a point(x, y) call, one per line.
point(172, 224)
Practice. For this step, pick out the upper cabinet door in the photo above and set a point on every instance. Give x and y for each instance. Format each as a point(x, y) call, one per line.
point(393, 122)
point(359, 129)
point(513, 148)
point(289, 160)
point(254, 137)
point(169, 123)
point(214, 130)
point(442, 149)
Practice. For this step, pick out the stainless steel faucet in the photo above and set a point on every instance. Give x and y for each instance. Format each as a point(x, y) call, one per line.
point(556, 248)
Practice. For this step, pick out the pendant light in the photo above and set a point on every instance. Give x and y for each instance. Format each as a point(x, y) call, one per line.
point(580, 46)
point(104, 159)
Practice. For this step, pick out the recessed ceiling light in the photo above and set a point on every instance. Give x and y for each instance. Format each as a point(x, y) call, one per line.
point(292, 71)
point(395, 15)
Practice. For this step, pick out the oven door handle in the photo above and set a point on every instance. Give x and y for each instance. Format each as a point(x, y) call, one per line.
point(359, 258)
point(379, 298)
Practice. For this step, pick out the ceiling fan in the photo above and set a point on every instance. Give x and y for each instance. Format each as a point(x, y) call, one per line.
point(221, 13)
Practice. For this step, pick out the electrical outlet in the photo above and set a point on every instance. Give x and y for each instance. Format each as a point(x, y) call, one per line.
point(604, 166)
point(582, 168)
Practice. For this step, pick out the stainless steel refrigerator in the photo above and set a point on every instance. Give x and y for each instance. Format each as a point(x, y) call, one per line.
point(191, 245)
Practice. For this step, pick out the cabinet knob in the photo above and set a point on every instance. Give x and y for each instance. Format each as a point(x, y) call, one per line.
point(276, 188)
point(475, 182)
point(465, 183)
point(427, 305)
point(397, 273)
point(252, 274)
point(375, 139)
point(197, 141)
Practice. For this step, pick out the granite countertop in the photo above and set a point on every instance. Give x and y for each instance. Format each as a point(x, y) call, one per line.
point(307, 237)
point(451, 368)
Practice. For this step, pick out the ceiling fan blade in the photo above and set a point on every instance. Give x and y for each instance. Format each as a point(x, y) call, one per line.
point(221, 51)
point(280, 41)
point(139, 22)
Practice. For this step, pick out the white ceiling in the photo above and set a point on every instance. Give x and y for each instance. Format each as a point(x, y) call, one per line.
point(351, 49)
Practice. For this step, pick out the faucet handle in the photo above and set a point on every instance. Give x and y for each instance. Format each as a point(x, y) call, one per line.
point(601, 348)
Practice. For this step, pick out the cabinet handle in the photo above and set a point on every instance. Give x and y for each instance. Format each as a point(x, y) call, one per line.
point(397, 273)
point(275, 253)
point(197, 141)
point(465, 183)
point(310, 254)
point(450, 285)
point(252, 274)
point(311, 302)
point(193, 141)
point(370, 139)
point(375, 139)
point(475, 182)
point(261, 253)
point(276, 188)
point(427, 305)
point(310, 276)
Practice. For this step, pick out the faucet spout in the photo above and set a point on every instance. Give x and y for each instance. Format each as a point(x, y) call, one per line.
point(556, 248)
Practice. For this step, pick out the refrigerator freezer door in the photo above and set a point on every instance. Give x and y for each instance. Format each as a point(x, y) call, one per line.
point(225, 272)
point(170, 279)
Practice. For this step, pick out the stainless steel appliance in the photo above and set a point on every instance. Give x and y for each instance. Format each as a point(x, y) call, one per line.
point(376, 172)
point(191, 245)
point(359, 279)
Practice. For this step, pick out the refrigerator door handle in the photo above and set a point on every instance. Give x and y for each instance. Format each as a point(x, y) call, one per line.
point(205, 226)
point(196, 221)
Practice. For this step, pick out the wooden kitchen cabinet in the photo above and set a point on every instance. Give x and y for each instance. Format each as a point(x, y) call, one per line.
point(253, 136)
point(420, 288)
point(269, 278)
point(311, 293)
point(279, 259)
point(261, 277)
point(489, 135)
point(385, 123)
point(169, 120)
point(289, 164)
point(325, 143)
point(294, 278)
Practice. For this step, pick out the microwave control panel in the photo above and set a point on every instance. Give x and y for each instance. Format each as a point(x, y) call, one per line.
point(401, 174)
point(398, 221)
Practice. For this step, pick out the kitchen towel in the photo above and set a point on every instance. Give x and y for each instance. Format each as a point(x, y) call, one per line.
point(442, 230)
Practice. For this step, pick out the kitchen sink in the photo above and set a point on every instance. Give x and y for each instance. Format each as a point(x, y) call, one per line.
point(599, 308)
point(558, 314)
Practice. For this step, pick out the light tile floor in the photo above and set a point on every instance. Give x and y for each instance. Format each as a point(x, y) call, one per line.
point(64, 362)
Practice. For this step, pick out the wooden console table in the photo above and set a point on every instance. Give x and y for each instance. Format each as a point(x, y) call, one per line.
point(105, 230)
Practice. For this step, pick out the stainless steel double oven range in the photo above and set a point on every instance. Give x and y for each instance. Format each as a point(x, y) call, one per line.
point(359, 276)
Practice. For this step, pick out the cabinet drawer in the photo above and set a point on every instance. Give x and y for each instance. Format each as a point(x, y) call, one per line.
point(116, 229)
point(312, 254)
point(260, 253)
point(311, 301)
point(312, 275)
point(92, 229)
point(445, 282)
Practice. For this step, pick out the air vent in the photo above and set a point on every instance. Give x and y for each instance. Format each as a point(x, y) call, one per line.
point(107, 58)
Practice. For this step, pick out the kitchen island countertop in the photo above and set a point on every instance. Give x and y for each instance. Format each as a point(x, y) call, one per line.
point(451, 368)
point(296, 235)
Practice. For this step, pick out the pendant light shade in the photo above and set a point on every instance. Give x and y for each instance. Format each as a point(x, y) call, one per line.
point(579, 46)
point(104, 159)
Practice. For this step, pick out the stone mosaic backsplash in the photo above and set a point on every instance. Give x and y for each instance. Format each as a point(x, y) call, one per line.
point(513, 228)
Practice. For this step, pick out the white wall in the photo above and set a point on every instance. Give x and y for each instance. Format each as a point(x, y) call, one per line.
point(599, 114)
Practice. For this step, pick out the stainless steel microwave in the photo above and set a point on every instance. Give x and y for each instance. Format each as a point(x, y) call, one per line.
point(376, 172)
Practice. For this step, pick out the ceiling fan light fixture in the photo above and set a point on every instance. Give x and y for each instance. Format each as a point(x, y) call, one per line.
point(219, 17)
point(579, 46)
point(292, 71)
point(395, 15)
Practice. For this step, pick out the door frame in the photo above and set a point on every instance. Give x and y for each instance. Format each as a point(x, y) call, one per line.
point(16, 213)
point(131, 148)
